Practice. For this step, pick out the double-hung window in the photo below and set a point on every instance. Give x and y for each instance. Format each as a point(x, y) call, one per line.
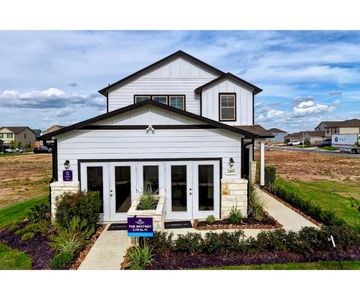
point(10, 135)
point(1, 135)
point(227, 107)
point(177, 102)
point(141, 98)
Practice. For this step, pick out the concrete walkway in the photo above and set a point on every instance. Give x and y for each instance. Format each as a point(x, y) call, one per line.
point(283, 214)
point(108, 251)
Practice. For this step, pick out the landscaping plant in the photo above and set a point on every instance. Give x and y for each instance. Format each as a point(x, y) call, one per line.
point(62, 260)
point(256, 207)
point(139, 257)
point(270, 176)
point(210, 218)
point(148, 200)
point(38, 213)
point(235, 216)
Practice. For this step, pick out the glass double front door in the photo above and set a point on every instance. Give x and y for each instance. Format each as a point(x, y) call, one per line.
point(190, 188)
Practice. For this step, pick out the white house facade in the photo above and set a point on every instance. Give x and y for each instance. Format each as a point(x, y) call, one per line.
point(181, 126)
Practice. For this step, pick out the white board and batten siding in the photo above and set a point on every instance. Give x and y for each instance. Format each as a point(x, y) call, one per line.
point(178, 77)
point(244, 101)
point(139, 144)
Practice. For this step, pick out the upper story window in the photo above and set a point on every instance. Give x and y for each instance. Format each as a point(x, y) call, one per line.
point(161, 99)
point(139, 98)
point(177, 101)
point(10, 135)
point(1, 135)
point(227, 107)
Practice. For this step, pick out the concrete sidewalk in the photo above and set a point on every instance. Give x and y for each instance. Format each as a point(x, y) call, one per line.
point(108, 251)
point(290, 219)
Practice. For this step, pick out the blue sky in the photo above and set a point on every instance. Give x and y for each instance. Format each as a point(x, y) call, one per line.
point(52, 77)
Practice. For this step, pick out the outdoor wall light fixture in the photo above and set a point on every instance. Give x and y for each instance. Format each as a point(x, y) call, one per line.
point(231, 162)
point(67, 164)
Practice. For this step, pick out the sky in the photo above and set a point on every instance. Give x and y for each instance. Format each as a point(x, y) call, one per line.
point(52, 77)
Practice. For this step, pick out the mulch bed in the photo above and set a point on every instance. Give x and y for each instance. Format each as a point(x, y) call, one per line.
point(182, 261)
point(82, 254)
point(268, 222)
point(293, 208)
point(37, 248)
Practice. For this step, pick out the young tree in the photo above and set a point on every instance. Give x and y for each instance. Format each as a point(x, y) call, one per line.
point(12, 145)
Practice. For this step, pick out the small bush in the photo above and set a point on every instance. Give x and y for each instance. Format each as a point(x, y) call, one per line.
point(190, 243)
point(139, 257)
point(270, 176)
point(148, 200)
point(39, 213)
point(62, 260)
point(210, 218)
point(235, 216)
point(161, 243)
point(26, 229)
point(85, 206)
point(222, 242)
point(28, 236)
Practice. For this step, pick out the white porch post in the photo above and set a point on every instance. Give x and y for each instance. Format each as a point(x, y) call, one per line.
point(262, 162)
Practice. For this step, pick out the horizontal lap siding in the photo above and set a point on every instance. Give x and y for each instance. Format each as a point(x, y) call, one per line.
point(177, 77)
point(137, 144)
point(244, 105)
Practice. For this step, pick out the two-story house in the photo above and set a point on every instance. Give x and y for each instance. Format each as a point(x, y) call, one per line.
point(13, 135)
point(180, 126)
point(339, 127)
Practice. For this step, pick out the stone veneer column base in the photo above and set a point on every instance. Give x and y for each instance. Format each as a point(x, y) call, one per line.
point(252, 172)
point(234, 194)
point(59, 188)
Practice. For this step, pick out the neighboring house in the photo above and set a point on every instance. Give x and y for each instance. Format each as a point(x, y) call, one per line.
point(17, 134)
point(47, 131)
point(339, 127)
point(314, 137)
point(279, 135)
point(1, 146)
point(180, 127)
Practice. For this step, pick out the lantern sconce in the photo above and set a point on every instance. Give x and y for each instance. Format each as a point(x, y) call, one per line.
point(67, 164)
point(231, 170)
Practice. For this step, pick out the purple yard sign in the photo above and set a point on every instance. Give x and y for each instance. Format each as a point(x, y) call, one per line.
point(67, 175)
point(140, 227)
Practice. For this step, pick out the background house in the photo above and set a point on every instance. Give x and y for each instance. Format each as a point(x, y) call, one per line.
point(11, 135)
point(339, 127)
point(314, 137)
point(279, 135)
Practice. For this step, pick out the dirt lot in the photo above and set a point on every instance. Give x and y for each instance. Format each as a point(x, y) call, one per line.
point(313, 166)
point(23, 177)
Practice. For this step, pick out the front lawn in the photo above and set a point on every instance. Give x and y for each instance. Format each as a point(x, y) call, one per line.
point(321, 265)
point(11, 259)
point(338, 197)
point(18, 212)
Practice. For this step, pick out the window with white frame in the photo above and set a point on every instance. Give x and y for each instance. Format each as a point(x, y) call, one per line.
point(162, 99)
point(227, 107)
point(141, 98)
point(177, 102)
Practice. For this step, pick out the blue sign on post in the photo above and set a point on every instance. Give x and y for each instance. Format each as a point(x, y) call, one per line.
point(67, 175)
point(140, 227)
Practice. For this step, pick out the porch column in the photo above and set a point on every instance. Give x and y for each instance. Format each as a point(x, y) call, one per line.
point(262, 162)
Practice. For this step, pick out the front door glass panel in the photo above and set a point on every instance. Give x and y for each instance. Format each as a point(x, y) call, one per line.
point(122, 189)
point(178, 188)
point(95, 183)
point(151, 179)
point(206, 187)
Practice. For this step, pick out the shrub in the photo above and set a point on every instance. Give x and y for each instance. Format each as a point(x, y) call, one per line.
point(85, 206)
point(161, 243)
point(190, 243)
point(235, 216)
point(270, 176)
point(256, 207)
point(27, 229)
point(210, 218)
point(222, 242)
point(39, 213)
point(307, 142)
point(148, 200)
point(139, 257)
point(271, 240)
point(28, 236)
point(62, 260)
point(71, 237)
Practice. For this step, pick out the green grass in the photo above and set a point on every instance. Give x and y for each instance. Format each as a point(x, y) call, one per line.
point(322, 265)
point(15, 154)
point(329, 195)
point(11, 259)
point(17, 212)
point(329, 148)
